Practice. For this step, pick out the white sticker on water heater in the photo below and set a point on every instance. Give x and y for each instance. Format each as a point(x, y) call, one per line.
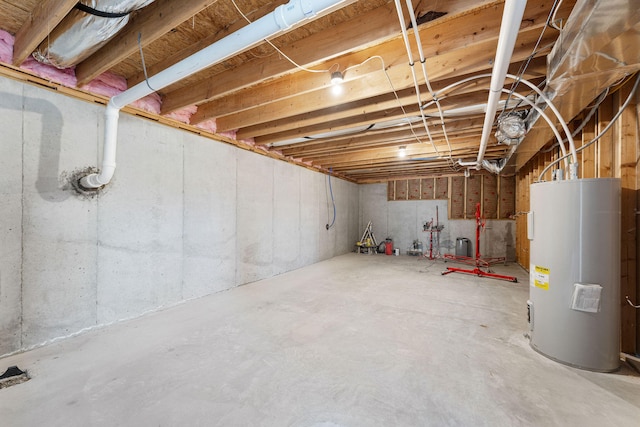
point(586, 298)
point(540, 277)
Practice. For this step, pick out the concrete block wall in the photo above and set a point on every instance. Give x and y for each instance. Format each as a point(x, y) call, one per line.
point(184, 217)
point(403, 222)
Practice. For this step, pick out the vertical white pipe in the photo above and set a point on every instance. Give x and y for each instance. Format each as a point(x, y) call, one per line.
point(413, 71)
point(108, 168)
point(511, 19)
point(270, 25)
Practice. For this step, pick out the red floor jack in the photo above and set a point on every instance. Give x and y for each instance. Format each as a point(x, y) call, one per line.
point(478, 262)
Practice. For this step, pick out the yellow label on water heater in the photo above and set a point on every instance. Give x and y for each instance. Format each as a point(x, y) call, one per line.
point(540, 277)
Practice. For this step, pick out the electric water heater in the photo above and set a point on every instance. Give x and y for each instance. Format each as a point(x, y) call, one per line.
point(574, 304)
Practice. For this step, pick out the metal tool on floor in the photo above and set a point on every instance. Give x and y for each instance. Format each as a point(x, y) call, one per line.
point(434, 237)
point(478, 262)
point(13, 376)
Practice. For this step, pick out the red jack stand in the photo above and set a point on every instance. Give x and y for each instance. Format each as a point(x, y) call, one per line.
point(478, 262)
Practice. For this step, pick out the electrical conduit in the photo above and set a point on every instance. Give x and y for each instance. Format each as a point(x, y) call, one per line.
point(270, 25)
point(413, 71)
point(423, 61)
point(545, 98)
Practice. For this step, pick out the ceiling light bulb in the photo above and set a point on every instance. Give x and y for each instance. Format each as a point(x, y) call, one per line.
point(402, 152)
point(336, 77)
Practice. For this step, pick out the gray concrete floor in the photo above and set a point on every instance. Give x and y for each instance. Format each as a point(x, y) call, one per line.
point(359, 340)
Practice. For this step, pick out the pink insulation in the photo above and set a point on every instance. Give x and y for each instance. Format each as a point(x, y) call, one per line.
point(6, 47)
point(183, 115)
point(150, 103)
point(229, 134)
point(109, 84)
point(66, 77)
point(106, 84)
point(208, 125)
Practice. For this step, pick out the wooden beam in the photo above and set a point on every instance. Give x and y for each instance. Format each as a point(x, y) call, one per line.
point(377, 139)
point(152, 22)
point(362, 32)
point(606, 143)
point(589, 163)
point(358, 33)
point(201, 44)
point(452, 35)
point(42, 20)
point(349, 116)
point(414, 151)
point(462, 61)
point(364, 111)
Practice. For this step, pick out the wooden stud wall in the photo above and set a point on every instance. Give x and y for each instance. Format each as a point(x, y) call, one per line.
point(616, 154)
point(456, 198)
point(496, 194)
point(473, 195)
point(490, 198)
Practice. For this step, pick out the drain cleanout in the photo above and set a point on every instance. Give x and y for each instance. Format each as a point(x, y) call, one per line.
point(13, 376)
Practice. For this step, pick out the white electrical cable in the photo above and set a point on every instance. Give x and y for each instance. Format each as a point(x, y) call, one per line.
point(588, 117)
point(601, 134)
point(553, 20)
point(546, 118)
point(423, 61)
point(413, 71)
point(524, 66)
point(384, 70)
point(563, 123)
point(278, 50)
point(545, 98)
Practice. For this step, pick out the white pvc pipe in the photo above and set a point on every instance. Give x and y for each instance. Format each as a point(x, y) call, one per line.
point(95, 180)
point(416, 34)
point(511, 19)
point(413, 71)
point(270, 25)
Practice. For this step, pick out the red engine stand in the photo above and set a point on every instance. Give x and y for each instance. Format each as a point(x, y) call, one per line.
point(478, 262)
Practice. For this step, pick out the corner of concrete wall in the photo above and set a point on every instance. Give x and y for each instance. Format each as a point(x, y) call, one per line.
point(11, 104)
point(403, 221)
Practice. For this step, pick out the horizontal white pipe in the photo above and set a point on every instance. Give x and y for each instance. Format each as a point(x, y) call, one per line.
point(511, 19)
point(467, 164)
point(270, 25)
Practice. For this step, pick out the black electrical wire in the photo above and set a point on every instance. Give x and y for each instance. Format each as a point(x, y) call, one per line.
point(333, 201)
point(102, 14)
